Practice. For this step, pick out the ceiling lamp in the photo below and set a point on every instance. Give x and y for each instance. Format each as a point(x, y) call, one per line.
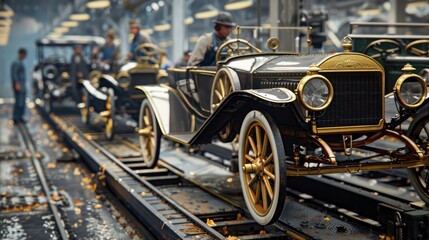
point(98, 4)
point(208, 11)
point(54, 35)
point(6, 11)
point(61, 29)
point(238, 4)
point(163, 26)
point(373, 11)
point(166, 44)
point(194, 39)
point(188, 20)
point(147, 31)
point(80, 17)
point(70, 24)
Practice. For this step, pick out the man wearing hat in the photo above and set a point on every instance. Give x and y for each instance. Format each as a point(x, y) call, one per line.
point(204, 53)
point(138, 38)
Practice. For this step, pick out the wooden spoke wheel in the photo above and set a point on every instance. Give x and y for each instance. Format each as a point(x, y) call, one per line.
point(262, 167)
point(419, 48)
point(84, 111)
point(110, 117)
point(419, 133)
point(235, 47)
point(149, 134)
point(225, 82)
point(383, 48)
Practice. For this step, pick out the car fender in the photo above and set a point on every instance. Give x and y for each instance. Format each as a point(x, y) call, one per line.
point(93, 91)
point(171, 112)
point(238, 104)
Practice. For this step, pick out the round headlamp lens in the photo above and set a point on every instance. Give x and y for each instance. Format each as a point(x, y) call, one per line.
point(315, 93)
point(124, 82)
point(411, 91)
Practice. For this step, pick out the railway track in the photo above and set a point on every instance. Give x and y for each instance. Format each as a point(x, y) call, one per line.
point(175, 204)
point(56, 213)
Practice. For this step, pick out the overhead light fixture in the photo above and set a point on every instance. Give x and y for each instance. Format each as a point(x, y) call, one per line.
point(417, 4)
point(208, 11)
point(54, 35)
point(61, 29)
point(147, 31)
point(163, 26)
point(188, 20)
point(6, 11)
point(80, 17)
point(70, 24)
point(373, 11)
point(238, 4)
point(194, 39)
point(98, 4)
point(166, 44)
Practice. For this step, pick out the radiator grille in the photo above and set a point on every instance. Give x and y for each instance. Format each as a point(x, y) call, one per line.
point(358, 100)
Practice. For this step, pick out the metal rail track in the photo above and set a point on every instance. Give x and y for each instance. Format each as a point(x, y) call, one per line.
point(32, 148)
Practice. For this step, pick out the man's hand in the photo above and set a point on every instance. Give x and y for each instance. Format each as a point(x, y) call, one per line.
point(17, 86)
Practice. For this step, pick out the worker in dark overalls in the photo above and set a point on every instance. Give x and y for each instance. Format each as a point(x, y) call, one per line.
point(204, 53)
point(19, 86)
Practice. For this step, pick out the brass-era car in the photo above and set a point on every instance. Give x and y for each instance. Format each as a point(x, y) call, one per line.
point(295, 114)
point(52, 77)
point(108, 95)
point(409, 44)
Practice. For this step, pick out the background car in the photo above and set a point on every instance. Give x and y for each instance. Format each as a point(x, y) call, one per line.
point(52, 81)
point(399, 44)
point(295, 114)
point(109, 96)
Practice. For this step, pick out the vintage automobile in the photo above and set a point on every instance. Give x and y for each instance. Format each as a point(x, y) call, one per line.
point(109, 96)
point(295, 114)
point(409, 44)
point(51, 76)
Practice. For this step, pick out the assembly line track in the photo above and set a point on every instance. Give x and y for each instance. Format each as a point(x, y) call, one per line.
point(32, 148)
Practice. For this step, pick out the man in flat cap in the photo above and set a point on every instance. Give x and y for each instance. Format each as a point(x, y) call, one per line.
point(204, 53)
point(138, 38)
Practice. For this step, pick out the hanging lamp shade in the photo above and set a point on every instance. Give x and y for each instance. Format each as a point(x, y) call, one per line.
point(238, 4)
point(98, 4)
point(208, 11)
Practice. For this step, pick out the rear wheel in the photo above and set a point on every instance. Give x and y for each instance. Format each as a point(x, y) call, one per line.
point(110, 108)
point(149, 134)
point(419, 133)
point(262, 167)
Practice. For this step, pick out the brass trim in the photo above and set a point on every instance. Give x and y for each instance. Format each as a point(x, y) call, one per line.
point(352, 129)
point(398, 85)
point(293, 170)
point(273, 43)
point(299, 91)
point(204, 72)
point(126, 75)
point(416, 51)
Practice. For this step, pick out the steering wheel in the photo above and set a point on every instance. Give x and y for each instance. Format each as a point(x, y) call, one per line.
point(421, 50)
point(149, 50)
point(382, 48)
point(235, 47)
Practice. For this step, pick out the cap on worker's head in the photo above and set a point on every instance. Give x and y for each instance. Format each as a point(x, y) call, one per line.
point(134, 23)
point(224, 18)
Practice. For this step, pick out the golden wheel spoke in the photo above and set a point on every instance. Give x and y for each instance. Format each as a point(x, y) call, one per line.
point(258, 140)
point(250, 158)
point(254, 179)
point(252, 144)
point(268, 187)
point(264, 196)
point(258, 192)
point(218, 95)
point(269, 174)
point(222, 87)
point(269, 159)
point(264, 146)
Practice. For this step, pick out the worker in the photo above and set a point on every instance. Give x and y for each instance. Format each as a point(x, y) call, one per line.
point(19, 86)
point(204, 53)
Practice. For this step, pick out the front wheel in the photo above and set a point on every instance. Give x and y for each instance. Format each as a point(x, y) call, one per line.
point(149, 134)
point(262, 167)
point(419, 133)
